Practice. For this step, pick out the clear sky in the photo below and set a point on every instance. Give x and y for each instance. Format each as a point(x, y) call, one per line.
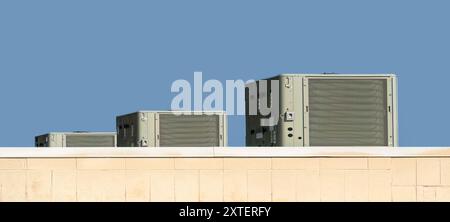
point(75, 65)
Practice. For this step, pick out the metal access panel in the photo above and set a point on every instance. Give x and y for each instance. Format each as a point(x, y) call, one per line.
point(330, 110)
point(172, 129)
point(76, 139)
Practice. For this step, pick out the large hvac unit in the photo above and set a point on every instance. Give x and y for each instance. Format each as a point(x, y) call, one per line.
point(326, 110)
point(172, 129)
point(76, 139)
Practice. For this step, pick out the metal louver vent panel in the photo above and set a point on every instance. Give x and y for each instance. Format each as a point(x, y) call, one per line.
point(189, 130)
point(348, 112)
point(89, 141)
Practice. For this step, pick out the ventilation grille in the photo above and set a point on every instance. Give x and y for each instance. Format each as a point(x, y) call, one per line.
point(348, 112)
point(189, 130)
point(90, 141)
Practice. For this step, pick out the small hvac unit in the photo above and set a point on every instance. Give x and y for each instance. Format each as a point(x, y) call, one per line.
point(76, 139)
point(327, 110)
point(172, 129)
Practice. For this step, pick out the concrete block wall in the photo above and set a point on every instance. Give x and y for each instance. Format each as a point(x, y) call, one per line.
point(216, 177)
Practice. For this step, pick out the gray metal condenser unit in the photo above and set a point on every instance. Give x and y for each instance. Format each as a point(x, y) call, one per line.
point(328, 110)
point(172, 129)
point(76, 139)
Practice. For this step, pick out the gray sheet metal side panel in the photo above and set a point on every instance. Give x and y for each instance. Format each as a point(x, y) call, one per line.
point(56, 140)
point(147, 130)
point(395, 110)
point(224, 130)
point(298, 129)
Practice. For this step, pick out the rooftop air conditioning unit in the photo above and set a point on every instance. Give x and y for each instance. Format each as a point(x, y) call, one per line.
point(172, 129)
point(76, 139)
point(327, 110)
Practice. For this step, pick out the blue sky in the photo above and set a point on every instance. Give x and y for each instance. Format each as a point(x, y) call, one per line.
point(75, 65)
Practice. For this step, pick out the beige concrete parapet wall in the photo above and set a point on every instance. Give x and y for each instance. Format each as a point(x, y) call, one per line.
point(225, 174)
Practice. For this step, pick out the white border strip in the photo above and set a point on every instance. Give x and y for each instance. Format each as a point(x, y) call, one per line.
point(162, 152)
